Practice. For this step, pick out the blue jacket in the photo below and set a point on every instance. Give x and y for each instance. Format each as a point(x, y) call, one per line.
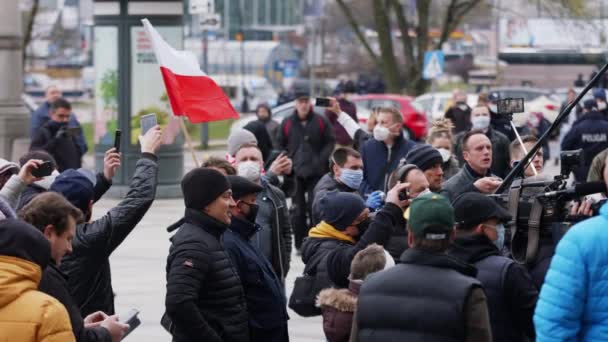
point(375, 155)
point(573, 302)
point(590, 133)
point(41, 115)
point(266, 303)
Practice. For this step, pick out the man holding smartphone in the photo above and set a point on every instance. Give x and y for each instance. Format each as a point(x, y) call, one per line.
point(58, 139)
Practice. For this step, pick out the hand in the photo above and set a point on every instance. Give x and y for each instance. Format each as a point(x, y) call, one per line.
point(487, 185)
point(111, 163)
point(335, 106)
point(281, 165)
point(393, 195)
point(150, 142)
point(95, 319)
point(25, 174)
point(583, 209)
point(374, 200)
point(116, 329)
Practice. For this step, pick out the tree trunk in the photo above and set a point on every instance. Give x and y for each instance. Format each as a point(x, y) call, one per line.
point(390, 70)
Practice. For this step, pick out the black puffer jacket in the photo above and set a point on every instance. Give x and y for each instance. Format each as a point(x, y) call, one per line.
point(54, 283)
point(205, 299)
point(88, 267)
point(309, 143)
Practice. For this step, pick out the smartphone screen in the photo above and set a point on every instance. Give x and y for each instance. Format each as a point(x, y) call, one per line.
point(322, 102)
point(147, 122)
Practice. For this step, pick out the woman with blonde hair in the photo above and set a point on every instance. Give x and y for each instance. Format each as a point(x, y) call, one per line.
point(440, 137)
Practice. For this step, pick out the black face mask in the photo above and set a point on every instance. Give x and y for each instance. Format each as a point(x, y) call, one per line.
point(253, 211)
point(364, 225)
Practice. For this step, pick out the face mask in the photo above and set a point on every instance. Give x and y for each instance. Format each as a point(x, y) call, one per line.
point(253, 211)
point(250, 170)
point(500, 240)
point(351, 178)
point(381, 133)
point(601, 105)
point(493, 108)
point(445, 154)
point(481, 122)
point(364, 225)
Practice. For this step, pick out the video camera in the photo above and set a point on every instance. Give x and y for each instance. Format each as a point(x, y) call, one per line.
point(539, 208)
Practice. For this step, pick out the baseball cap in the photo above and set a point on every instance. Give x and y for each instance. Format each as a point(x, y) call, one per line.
point(242, 186)
point(431, 217)
point(493, 96)
point(473, 208)
point(77, 186)
point(599, 93)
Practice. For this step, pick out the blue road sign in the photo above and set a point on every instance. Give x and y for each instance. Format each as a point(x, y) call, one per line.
point(433, 65)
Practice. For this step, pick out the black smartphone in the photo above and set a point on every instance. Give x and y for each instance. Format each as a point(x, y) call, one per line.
point(117, 135)
point(74, 131)
point(283, 153)
point(404, 195)
point(132, 320)
point(322, 102)
point(43, 170)
point(147, 122)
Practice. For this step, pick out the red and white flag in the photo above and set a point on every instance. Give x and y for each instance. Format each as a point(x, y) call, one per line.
point(191, 92)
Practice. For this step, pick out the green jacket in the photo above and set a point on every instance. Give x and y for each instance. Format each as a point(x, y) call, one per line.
point(596, 171)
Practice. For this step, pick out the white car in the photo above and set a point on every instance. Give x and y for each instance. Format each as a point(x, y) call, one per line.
point(279, 113)
point(436, 104)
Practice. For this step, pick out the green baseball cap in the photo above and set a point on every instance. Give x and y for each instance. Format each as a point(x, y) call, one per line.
point(431, 217)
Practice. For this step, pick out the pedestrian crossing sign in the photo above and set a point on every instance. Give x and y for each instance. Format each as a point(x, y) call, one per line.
point(433, 64)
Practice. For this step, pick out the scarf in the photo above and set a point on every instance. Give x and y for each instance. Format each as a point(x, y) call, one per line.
point(327, 231)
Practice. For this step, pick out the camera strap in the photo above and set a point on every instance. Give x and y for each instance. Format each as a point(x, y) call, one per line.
point(513, 198)
point(533, 230)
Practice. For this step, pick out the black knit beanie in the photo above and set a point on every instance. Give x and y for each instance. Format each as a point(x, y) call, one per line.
point(340, 209)
point(202, 186)
point(424, 156)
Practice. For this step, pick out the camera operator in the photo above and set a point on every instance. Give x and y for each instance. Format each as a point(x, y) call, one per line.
point(589, 133)
point(475, 176)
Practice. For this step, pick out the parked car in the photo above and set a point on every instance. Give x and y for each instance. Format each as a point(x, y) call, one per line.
point(436, 104)
point(279, 113)
point(535, 100)
point(414, 118)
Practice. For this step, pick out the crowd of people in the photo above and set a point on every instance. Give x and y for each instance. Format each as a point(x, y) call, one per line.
point(399, 238)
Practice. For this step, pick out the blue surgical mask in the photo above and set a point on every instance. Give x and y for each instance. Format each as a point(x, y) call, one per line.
point(480, 122)
point(351, 178)
point(500, 233)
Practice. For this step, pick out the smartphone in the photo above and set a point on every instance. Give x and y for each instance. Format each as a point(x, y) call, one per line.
point(147, 122)
point(43, 170)
point(510, 106)
point(74, 131)
point(283, 153)
point(322, 102)
point(132, 320)
point(404, 195)
point(117, 135)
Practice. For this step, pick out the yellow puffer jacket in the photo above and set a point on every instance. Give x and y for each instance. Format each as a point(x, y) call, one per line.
point(27, 314)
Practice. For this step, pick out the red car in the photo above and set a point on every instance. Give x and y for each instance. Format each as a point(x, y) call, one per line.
point(414, 120)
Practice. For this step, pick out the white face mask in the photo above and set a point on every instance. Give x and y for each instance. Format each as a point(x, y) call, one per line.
point(493, 108)
point(601, 105)
point(480, 122)
point(445, 154)
point(381, 133)
point(250, 170)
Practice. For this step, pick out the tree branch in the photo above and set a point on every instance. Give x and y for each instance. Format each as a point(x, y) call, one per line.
point(455, 12)
point(355, 26)
point(406, 40)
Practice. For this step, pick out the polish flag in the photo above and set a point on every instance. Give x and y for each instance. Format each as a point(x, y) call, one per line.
point(191, 92)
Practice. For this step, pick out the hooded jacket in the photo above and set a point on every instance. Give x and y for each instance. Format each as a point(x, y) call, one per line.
point(511, 293)
point(573, 301)
point(338, 306)
point(26, 314)
point(64, 149)
point(95, 241)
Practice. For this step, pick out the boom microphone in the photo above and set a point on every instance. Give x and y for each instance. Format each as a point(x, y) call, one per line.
point(581, 189)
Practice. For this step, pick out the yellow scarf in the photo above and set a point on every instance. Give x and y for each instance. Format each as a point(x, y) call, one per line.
point(326, 230)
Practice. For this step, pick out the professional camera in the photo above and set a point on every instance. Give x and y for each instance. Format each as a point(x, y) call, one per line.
point(539, 207)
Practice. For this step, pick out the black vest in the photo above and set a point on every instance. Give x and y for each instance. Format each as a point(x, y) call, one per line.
point(492, 272)
point(422, 299)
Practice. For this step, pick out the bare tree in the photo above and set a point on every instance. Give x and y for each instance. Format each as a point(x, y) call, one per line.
point(409, 75)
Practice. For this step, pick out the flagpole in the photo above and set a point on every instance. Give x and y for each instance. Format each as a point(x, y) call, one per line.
point(188, 140)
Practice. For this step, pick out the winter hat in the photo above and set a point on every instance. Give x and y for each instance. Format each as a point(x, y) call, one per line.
point(599, 93)
point(590, 105)
point(202, 186)
point(340, 209)
point(369, 260)
point(77, 186)
point(239, 138)
point(7, 166)
point(242, 186)
point(424, 156)
point(22, 240)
